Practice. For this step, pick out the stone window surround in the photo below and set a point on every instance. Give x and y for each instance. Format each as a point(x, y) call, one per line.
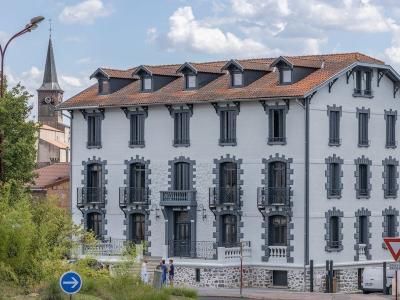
point(277, 211)
point(217, 223)
point(328, 161)
point(171, 171)
point(147, 172)
point(147, 223)
point(386, 162)
point(387, 212)
point(289, 171)
point(95, 207)
point(357, 162)
point(234, 106)
point(390, 113)
point(268, 109)
point(359, 111)
point(143, 110)
point(95, 113)
point(181, 109)
point(362, 212)
point(333, 213)
point(328, 110)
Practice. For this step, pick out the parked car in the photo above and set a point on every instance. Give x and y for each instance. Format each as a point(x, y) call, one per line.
point(372, 279)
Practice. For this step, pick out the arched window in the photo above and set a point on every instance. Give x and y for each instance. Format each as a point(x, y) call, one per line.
point(228, 182)
point(137, 183)
point(137, 228)
point(94, 222)
point(334, 232)
point(182, 176)
point(278, 231)
point(94, 183)
point(229, 230)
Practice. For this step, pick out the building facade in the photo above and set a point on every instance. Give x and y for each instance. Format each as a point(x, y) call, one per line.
point(295, 158)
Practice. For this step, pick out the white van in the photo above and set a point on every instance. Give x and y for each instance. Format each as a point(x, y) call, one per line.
point(372, 279)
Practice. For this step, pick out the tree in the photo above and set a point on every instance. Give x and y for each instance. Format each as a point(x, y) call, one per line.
point(20, 136)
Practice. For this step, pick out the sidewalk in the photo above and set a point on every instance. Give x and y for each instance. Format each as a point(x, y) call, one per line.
point(275, 294)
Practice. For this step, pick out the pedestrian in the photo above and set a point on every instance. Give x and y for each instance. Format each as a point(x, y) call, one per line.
point(171, 272)
point(164, 271)
point(143, 272)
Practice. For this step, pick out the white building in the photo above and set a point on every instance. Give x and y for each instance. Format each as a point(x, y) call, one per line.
point(296, 156)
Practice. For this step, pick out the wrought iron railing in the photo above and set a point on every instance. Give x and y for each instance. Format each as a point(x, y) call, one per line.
point(334, 192)
point(276, 139)
point(197, 249)
point(334, 244)
point(178, 197)
point(273, 196)
point(224, 196)
point(132, 195)
point(334, 141)
point(90, 195)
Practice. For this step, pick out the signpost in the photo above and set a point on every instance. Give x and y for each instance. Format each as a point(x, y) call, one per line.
point(70, 283)
point(393, 244)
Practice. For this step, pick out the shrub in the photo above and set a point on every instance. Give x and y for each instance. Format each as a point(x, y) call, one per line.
point(52, 291)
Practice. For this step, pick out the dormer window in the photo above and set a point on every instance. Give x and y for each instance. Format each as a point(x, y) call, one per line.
point(363, 83)
point(103, 86)
point(191, 81)
point(237, 78)
point(285, 76)
point(146, 83)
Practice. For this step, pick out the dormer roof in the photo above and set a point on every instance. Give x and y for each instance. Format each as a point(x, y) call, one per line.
point(167, 70)
point(298, 62)
point(113, 73)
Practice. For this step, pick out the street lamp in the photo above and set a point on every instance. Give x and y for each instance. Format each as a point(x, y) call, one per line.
point(33, 24)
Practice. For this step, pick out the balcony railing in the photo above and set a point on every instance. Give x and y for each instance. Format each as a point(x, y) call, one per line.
point(198, 249)
point(178, 198)
point(91, 195)
point(128, 196)
point(332, 192)
point(269, 196)
point(277, 253)
point(334, 244)
point(362, 251)
point(334, 141)
point(224, 196)
point(276, 139)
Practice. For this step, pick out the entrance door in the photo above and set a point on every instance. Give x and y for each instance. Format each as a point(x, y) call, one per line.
point(181, 243)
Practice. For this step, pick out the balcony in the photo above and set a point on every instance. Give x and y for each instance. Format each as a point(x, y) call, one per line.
point(197, 249)
point(271, 196)
point(178, 198)
point(228, 196)
point(131, 196)
point(91, 195)
point(362, 252)
point(277, 254)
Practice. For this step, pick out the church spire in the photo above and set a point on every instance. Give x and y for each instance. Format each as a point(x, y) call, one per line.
point(50, 82)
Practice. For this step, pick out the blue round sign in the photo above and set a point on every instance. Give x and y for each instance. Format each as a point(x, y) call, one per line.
point(70, 282)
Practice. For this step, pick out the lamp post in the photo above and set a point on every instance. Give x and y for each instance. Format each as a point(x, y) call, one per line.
point(33, 24)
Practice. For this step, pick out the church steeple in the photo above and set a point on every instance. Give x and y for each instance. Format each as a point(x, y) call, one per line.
point(50, 81)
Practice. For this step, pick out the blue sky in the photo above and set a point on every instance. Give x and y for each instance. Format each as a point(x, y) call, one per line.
point(121, 33)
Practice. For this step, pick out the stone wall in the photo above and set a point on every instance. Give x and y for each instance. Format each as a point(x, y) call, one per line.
point(348, 280)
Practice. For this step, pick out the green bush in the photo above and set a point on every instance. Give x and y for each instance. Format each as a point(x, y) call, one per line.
point(52, 291)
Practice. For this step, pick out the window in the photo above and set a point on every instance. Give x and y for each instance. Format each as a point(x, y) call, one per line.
point(368, 79)
point(391, 174)
point(237, 78)
point(137, 183)
point(390, 129)
point(228, 189)
point(94, 183)
point(191, 81)
point(182, 177)
point(334, 184)
point(94, 224)
point(229, 235)
point(334, 126)
point(363, 83)
point(357, 90)
point(277, 190)
point(146, 83)
point(227, 127)
point(391, 225)
point(103, 86)
point(286, 76)
point(136, 130)
point(277, 126)
point(334, 241)
point(363, 129)
point(94, 131)
point(137, 228)
point(279, 278)
point(363, 230)
point(363, 173)
point(181, 128)
point(278, 231)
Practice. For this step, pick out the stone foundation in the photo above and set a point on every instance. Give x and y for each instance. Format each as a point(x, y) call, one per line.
point(261, 277)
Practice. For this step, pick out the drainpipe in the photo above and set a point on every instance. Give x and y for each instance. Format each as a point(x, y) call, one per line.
point(306, 187)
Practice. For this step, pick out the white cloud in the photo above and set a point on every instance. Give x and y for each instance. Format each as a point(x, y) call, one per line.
point(70, 81)
point(84, 12)
point(188, 33)
point(84, 60)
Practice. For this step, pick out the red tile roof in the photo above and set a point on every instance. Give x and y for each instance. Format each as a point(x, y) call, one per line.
point(219, 89)
point(50, 175)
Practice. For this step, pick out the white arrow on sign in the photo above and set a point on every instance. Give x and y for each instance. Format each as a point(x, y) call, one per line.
point(74, 282)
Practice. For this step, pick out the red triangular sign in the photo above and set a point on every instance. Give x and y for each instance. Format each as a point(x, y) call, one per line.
point(393, 245)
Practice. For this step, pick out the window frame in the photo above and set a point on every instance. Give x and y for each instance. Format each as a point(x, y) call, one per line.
point(271, 110)
point(232, 75)
point(137, 140)
point(390, 121)
point(187, 80)
point(181, 128)
point(282, 71)
point(94, 130)
point(228, 123)
point(233, 234)
point(143, 79)
point(363, 116)
point(334, 115)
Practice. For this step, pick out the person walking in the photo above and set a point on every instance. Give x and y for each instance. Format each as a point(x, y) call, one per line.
point(143, 272)
point(171, 272)
point(164, 271)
